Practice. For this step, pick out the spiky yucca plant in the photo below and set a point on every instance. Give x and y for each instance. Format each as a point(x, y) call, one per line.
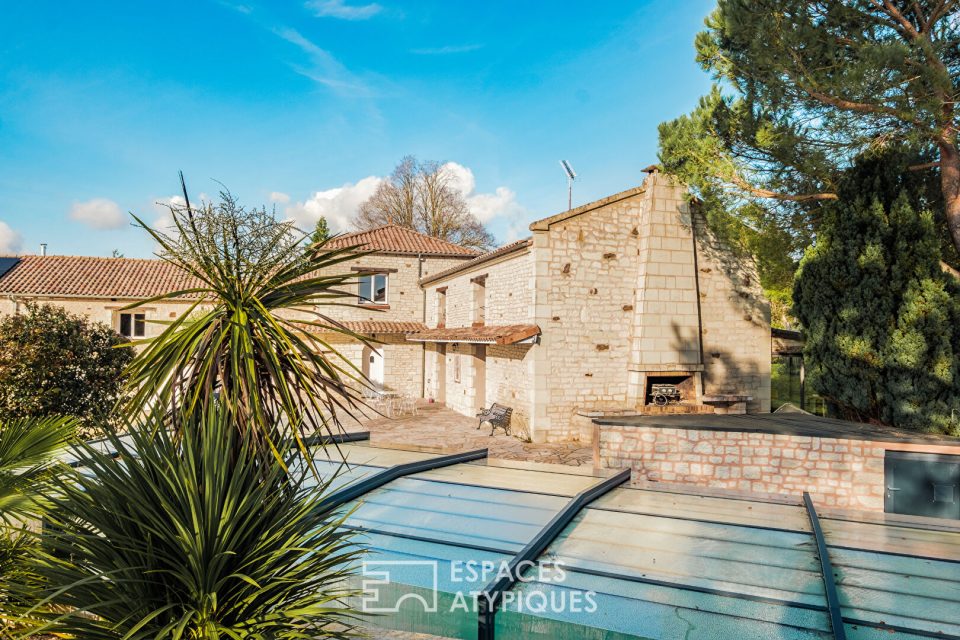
point(253, 340)
point(27, 446)
point(195, 538)
point(27, 449)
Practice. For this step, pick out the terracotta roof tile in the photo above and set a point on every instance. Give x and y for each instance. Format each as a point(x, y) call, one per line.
point(396, 239)
point(367, 327)
point(92, 277)
point(506, 334)
point(480, 259)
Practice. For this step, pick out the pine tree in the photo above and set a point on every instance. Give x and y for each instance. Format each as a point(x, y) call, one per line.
point(882, 318)
point(321, 232)
point(803, 87)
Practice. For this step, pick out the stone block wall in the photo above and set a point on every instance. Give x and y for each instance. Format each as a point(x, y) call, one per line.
point(404, 296)
point(836, 472)
point(736, 322)
point(510, 380)
point(585, 282)
point(463, 395)
point(509, 293)
point(402, 360)
point(403, 366)
point(666, 325)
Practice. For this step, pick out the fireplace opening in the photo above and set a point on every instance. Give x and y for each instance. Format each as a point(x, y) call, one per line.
point(670, 389)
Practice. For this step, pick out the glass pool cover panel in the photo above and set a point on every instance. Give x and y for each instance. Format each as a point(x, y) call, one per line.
point(674, 576)
point(659, 564)
point(876, 584)
point(422, 531)
point(635, 563)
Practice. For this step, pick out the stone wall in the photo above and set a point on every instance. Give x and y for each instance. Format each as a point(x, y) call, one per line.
point(666, 322)
point(586, 268)
point(402, 360)
point(463, 395)
point(736, 322)
point(509, 293)
point(617, 289)
point(404, 295)
point(510, 381)
point(837, 472)
point(403, 366)
point(507, 369)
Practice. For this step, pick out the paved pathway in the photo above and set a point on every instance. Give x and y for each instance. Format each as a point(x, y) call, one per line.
point(446, 431)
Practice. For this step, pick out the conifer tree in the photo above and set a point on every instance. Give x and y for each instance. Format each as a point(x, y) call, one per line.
point(882, 318)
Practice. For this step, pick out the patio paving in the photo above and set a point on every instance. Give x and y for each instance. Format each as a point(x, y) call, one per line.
point(445, 431)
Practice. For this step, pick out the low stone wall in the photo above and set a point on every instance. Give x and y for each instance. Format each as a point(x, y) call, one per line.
point(836, 472)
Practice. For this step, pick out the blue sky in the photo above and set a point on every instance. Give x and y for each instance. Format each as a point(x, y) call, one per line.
point(305, 104)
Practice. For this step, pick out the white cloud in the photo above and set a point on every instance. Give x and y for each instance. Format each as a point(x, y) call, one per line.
point(341, 204)
point(486, 206)
point(338, 205)
point(164, 221)
point(279, 196)
point(11, 242)
point(500, 203)
point(99, 213)
point(342, 10)
point(324, 67)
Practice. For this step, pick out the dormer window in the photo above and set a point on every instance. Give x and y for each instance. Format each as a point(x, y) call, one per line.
point(373, 289)
point(133, 325)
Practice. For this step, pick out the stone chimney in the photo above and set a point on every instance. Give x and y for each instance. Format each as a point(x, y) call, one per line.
point(666, 323)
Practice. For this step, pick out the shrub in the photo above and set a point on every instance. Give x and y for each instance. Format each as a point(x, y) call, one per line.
point(254, 342)
point(56, 363)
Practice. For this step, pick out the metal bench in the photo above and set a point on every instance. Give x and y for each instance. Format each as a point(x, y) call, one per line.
point(498, 416)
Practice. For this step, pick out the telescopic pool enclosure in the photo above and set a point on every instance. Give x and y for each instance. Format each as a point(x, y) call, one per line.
point(463, 546)
point(448, 536)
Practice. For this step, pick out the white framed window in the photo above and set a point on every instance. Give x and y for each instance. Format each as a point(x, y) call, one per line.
point(373, 289)
point(133, 325)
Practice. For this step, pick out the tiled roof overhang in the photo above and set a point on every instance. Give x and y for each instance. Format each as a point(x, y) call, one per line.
point(507, 334)
point(506, 249)
point(368, 327)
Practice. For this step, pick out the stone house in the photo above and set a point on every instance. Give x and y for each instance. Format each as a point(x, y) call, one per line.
point(573, 323)
point(385, 301)
point(98, 288)
point(389, 303)
point(601, 302)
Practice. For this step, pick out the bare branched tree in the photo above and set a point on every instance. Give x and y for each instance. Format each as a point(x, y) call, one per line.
point(423, 196)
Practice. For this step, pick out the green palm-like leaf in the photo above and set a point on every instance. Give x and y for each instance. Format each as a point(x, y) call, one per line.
point(194, 537)
point(27, 446)
point(253, 340)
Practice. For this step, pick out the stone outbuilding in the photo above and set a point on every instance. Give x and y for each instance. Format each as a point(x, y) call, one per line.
point(602, 302)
